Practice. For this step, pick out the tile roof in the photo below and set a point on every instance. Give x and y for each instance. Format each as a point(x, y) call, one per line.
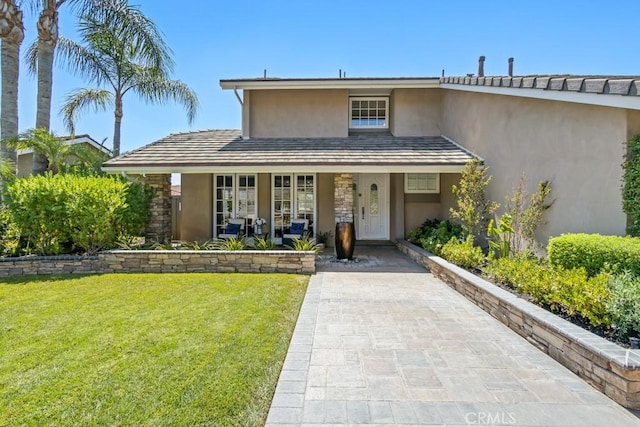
point(213, 148)
point(612, 85)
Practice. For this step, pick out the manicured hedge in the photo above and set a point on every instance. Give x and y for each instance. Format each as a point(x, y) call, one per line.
point(595, 253)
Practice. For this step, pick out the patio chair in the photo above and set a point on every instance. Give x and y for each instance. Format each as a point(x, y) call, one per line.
point(234, 228)
point(297, 229)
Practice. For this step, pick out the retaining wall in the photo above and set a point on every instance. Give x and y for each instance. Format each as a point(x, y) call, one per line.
point(612, 369)
point(122, 261)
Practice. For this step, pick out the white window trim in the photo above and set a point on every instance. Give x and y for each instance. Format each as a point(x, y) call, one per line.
point(418, 191)
point(294, 201)
point(369, 98)
point(235, 196)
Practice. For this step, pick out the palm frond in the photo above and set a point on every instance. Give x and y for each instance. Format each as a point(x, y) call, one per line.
point(83, 61)
point(154, 89)
point(31, 58)
point(82, 99)
point(129, 23)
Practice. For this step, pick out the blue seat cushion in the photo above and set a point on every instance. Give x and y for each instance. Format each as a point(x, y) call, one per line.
point(232, 229)
point(296, 228)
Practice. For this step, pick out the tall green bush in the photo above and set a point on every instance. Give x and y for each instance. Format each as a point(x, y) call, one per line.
point(433, 234)
point(84, 212)
point(595, 253)
point(631, 185)
point(472, 210)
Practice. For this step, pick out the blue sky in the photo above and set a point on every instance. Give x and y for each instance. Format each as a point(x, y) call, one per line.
point(215, 40)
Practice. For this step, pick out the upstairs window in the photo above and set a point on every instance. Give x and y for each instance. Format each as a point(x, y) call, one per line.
point(369, 113)
point(422, 183)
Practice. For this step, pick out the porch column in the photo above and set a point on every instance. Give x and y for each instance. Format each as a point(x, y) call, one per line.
point(343, 197)
point(159, 227)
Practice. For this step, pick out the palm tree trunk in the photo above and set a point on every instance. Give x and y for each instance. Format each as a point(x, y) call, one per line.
point(12, 34)
point(47, 39)
point(117, 124)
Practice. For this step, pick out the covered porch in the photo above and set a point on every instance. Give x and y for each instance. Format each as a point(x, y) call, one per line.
point(384, 185)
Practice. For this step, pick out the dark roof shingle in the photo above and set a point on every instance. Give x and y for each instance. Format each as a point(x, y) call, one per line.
point(227, 148)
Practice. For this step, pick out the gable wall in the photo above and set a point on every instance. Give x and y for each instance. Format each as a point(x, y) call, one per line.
point(298, 113)
point(577, 147)
point(416, 112)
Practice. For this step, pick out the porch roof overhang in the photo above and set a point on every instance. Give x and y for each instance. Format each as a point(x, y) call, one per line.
point(220, 151)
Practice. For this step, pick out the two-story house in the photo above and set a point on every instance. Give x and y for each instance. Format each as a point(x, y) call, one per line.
point(384, 152)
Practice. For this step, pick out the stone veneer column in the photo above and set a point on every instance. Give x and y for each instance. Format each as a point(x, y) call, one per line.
point(159, 228)
point(343, 197)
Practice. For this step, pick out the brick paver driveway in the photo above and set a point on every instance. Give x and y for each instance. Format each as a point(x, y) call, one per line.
point(402, 348)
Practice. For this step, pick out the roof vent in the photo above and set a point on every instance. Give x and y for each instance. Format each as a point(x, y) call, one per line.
point(481, 66)
point(510, 67)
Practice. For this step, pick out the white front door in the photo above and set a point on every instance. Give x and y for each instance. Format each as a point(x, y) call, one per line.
point(372, 192)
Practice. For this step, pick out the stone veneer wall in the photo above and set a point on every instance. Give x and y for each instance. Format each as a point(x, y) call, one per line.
point(613, 370)
point(122, 261)
point(159, 228)
point(343, 197)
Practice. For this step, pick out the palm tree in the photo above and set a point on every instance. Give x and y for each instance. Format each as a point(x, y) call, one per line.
point(11, 35)
point(122, 50)
point(56, 151)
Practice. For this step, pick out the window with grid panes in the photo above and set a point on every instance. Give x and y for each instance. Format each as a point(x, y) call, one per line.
point(422, 183)
point(369, 113)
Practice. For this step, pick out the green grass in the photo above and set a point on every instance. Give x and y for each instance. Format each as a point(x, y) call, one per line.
point(144, 349)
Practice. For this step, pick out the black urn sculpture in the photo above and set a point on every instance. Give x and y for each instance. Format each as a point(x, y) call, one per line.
point(345, 240)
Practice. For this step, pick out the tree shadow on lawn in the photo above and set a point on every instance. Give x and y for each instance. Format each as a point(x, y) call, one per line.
point(38, 278)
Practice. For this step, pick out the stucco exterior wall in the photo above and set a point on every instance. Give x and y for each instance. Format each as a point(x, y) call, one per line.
point(396, 206)
point(577, 147)
point(197, 207)
point(416, 112)
point(447, 201)
point(25, 164)
point(298, 113)
point(324, 203)
point(633, 123)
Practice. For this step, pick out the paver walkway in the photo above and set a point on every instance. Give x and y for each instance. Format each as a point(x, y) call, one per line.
point(402, 348)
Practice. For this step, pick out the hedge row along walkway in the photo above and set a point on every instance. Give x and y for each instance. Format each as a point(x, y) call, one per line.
point(402, 348)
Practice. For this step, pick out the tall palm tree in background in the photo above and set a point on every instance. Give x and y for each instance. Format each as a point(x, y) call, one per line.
point(122, 50)
point(11, 36)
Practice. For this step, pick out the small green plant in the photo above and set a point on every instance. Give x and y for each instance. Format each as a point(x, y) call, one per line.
point(163, 246)
point(473, 210)
point(324, 236)
point(197, 246)
point(624, 304)
point(463, 254)
point(129, 242)
point(304, 243)
point(231, 244)
point(501, 237)
point(525, 221)
point(263, 244)
point(434, 233)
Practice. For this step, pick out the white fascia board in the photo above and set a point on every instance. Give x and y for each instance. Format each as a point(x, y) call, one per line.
point(602, 99)
point(138, 170)
point(332, 84)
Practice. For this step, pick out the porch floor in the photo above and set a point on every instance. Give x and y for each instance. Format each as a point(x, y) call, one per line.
point(369, 256)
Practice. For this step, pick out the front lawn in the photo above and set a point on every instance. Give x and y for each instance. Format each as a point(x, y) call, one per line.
point(144, 349)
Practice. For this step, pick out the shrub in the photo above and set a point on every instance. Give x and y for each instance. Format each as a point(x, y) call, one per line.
point(463, 254)
point(263, 244)
point(595, 253)
point(63, 211)
point(569, 291)
point(631, 185)
point(472, 210)
point(525, 221)
point(624, 304)
point(137, 214)
point(304, 243)
point(433, 234)
point(231, 244)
